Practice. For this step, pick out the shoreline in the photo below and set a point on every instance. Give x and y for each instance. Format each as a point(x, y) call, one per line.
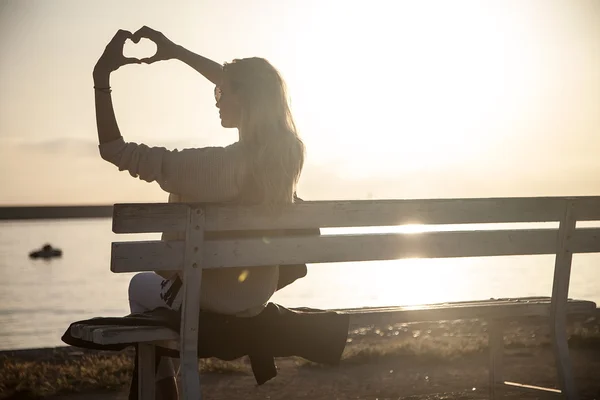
point(11, 213)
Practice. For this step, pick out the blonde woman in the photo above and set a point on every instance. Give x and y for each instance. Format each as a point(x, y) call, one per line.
point(263, 166)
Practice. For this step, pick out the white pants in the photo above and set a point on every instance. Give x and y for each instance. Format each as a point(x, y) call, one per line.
point(144, 295)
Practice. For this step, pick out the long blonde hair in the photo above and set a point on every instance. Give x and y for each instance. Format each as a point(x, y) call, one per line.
point(274, 150)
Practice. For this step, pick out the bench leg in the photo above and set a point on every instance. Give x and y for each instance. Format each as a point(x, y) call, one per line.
point(146, 371)
point(496, 348)
point(190, 377)
point(558, 308)
point(563, 361)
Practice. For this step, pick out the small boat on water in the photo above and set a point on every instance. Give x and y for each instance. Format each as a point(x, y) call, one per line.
point(46, 252)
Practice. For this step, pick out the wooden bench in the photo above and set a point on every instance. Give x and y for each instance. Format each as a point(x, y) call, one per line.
point(194, 254)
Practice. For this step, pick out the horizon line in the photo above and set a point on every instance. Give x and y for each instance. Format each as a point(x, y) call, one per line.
point(55, 212)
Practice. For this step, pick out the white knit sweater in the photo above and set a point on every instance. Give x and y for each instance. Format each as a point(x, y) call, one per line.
point(209, 174)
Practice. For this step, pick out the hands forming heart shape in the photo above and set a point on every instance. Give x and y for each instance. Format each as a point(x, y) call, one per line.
point(113, 58)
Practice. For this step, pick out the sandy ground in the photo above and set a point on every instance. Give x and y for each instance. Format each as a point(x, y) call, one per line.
point(396, 378)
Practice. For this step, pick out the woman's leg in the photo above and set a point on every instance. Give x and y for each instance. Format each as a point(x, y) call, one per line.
point(144, 292)
point(144, 295)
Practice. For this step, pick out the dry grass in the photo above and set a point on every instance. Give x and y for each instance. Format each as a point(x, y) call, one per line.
point(33, 379)
point(47, 378)
point(427, 348)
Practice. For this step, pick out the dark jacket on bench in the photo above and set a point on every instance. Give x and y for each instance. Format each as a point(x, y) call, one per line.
point(318, 336)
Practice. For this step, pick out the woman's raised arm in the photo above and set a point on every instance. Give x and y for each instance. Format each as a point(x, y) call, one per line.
point(111, 60)
point(167, 50)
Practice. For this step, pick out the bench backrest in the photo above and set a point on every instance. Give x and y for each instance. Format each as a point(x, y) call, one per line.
point(159, 255)
point(194, 253)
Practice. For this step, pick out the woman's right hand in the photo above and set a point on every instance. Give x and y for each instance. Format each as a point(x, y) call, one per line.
point(165, 49)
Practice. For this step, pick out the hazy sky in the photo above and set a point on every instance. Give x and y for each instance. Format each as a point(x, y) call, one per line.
point(396, 99)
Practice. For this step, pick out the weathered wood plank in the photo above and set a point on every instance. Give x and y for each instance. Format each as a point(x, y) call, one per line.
point(162, 217)
point(160, 255)
point(151, 255)
point(586, 208)
point(86, 332)
point(148, 218)
point(81, 331)
point(138, 218)
point(345, 248)
point(190, 310)
point(560, 295)
point(358, 213)
point(454, 311)
point(132, 334)
point(584, 240)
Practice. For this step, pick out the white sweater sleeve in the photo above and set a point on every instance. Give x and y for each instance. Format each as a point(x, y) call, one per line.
point(209, 174)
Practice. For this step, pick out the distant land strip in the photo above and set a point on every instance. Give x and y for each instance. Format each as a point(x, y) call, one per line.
point(55, 212)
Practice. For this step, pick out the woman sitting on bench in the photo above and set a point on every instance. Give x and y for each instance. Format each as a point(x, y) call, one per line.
point(263, 166)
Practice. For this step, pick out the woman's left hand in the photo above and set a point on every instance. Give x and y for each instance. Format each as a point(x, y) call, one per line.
point(113, 58)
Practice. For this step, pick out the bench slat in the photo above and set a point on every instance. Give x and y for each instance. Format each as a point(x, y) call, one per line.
point(151, 255)
point(454, 311)
point(149, 218)
point(153, 217)
point(586, 208)
point(357, 213)
point(112, 334)
point(168, 256)
point(130, 334)
point(585, 240)
point(140, 218)
point(348, 248)
point(360, 317)
point(160, 255)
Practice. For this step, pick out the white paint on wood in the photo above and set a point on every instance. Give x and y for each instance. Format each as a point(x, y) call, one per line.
point(149, 218)
point(132, 334)
point(192, 280)
point(585, 208)
point(168, 256)
point(455, 311)
point(344, 248)
point(584, 240)
point(138, 218)
point(357, 213)
point(86, 332)
point(560, 294)
point(151, 255)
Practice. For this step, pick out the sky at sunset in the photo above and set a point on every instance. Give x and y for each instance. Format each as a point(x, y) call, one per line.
point(394, 99)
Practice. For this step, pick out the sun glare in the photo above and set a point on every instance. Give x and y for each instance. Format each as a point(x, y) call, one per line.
point(438, 87)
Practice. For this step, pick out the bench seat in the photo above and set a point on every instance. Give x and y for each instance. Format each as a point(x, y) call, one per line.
point(485, 309)
point(114, 334)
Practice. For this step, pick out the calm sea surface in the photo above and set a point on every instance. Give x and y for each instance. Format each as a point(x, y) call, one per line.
point(38, 299)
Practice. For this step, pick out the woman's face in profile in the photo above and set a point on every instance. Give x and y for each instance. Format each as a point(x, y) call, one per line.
point(228, 105)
